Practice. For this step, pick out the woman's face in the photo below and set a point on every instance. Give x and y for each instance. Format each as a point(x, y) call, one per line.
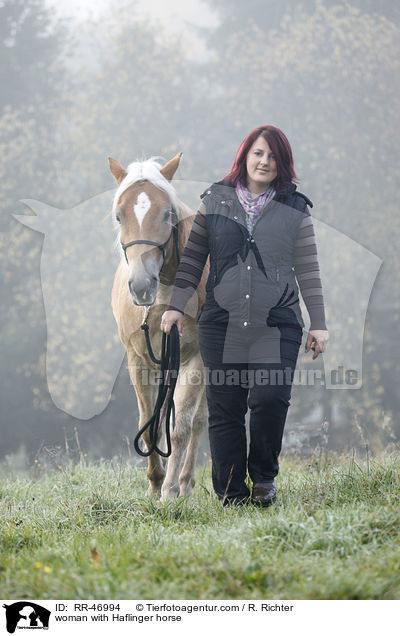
point(261, 166)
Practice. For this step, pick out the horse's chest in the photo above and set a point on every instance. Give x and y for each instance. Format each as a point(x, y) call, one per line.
point(139, 345)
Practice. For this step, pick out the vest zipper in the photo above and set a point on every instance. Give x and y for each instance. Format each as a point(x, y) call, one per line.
point(277, 274)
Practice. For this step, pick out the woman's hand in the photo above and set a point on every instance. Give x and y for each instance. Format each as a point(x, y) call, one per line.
point(317, 340)
point(169, 318)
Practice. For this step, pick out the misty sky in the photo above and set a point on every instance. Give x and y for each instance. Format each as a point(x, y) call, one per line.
point(177, 17)
point(174, 14)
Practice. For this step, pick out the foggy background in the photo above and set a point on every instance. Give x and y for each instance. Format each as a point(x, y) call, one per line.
point(84, 80)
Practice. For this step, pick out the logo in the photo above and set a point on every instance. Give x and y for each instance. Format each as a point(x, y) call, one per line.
point(26, 615)
point(78, 264)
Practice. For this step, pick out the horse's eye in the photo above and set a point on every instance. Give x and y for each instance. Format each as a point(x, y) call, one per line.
point(167, 215)
point(118, 219)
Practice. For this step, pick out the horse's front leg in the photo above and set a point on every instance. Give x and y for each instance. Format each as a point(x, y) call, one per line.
point(187, 399)
point(186, 477)
point(146, 395)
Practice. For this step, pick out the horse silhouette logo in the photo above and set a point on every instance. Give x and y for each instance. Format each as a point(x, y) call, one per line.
point(78, 262)
point(26, 615)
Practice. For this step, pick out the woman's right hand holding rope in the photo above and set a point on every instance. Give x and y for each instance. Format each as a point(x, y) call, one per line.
point(170, 317)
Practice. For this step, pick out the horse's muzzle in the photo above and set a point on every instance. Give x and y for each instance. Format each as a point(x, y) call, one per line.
point(143, 293)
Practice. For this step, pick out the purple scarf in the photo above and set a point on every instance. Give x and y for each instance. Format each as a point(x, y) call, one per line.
point(253, 205)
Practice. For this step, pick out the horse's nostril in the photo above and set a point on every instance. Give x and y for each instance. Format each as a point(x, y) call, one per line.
point(136, 290)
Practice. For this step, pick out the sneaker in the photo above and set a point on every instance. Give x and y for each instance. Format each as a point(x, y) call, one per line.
point(263, 494)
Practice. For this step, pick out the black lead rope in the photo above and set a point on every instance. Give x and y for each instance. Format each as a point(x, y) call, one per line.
point(170, 359)
point(145, 328)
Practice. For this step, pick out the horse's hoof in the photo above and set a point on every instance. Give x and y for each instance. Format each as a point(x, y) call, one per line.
point(153, 492)
point(170, 493)
point(186, 487)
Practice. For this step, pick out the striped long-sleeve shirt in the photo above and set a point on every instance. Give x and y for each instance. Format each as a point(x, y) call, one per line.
point(305, 264)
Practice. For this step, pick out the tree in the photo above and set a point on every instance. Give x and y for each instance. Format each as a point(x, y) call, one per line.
point(30, 45)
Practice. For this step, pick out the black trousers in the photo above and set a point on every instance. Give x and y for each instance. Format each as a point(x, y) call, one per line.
point(252, 382)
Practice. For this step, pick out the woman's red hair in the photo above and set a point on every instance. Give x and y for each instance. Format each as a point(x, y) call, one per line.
point(280, 146)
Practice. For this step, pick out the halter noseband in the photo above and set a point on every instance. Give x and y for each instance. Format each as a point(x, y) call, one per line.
point(160, 245)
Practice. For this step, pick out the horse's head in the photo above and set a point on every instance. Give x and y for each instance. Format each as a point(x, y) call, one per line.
point(146, 209)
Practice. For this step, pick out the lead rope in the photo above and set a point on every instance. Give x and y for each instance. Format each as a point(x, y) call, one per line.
point(170, 359)
point(145, 328)
point(169, 363)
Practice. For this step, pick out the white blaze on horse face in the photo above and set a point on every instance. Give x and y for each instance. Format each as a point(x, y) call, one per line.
point(142, 206)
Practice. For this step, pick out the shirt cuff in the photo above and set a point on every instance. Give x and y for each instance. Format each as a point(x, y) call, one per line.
point(318, 326)
point(175, 309)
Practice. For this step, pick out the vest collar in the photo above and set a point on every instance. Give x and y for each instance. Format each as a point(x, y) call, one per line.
point(226, 189)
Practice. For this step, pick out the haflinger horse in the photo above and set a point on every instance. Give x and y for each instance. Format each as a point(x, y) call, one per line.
point(145, 208)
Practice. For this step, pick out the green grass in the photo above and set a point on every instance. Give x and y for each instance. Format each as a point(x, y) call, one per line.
point(88, 531)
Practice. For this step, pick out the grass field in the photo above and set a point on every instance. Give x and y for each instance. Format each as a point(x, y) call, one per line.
point(89, 532)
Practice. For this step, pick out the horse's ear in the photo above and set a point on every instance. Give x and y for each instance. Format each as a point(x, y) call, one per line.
point(117, 171)
point(171, 167)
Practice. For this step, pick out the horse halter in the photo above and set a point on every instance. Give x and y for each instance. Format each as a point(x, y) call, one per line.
point(161, 246)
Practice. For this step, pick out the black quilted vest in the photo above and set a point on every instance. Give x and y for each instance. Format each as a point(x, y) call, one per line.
point(250, 274)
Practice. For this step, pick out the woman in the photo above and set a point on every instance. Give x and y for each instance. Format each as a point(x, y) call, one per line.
point(258, 232)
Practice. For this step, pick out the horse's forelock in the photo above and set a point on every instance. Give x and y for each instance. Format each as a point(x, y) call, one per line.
point(148, 170)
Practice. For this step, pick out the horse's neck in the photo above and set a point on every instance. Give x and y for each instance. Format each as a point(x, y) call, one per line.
point(164, 294)
point(186, 217)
